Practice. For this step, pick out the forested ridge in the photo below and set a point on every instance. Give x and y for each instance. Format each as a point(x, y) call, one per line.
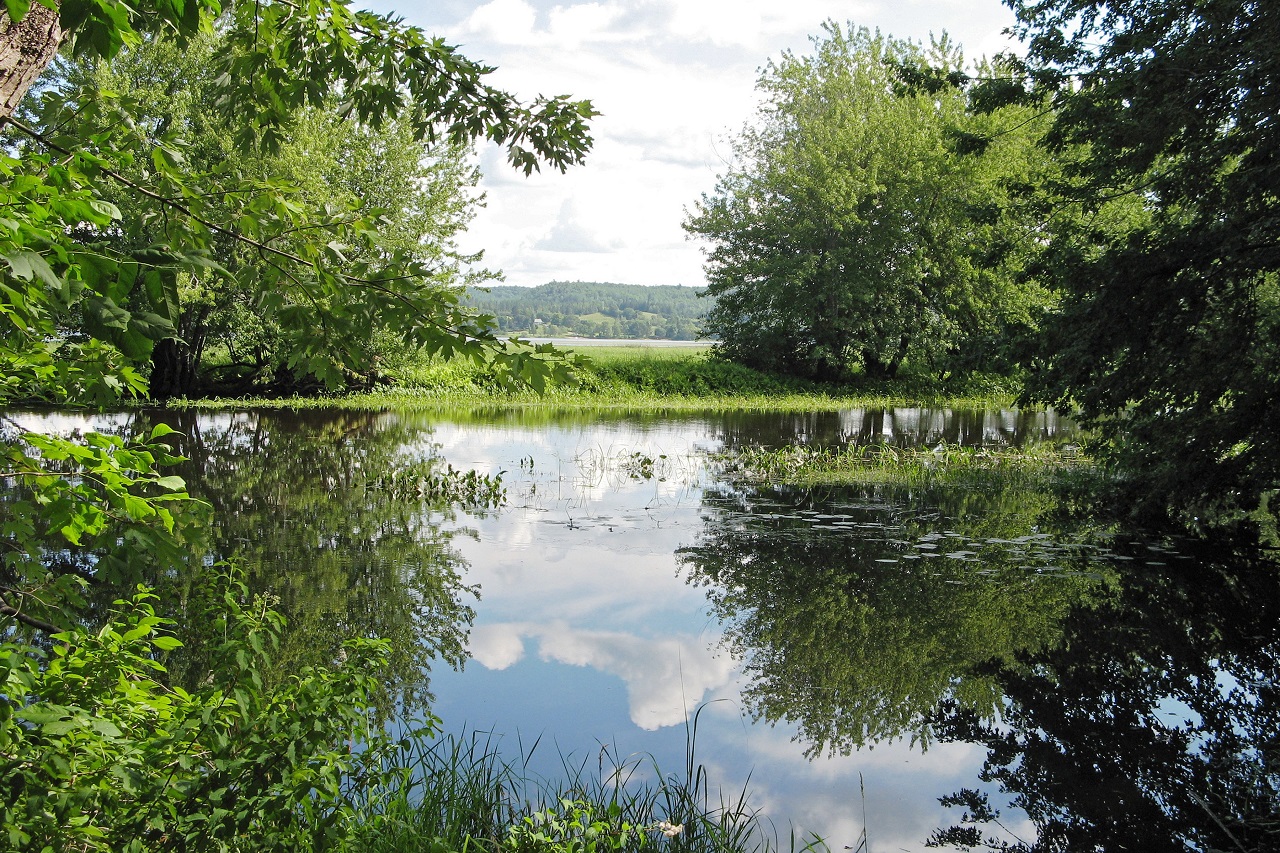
point(595, 309)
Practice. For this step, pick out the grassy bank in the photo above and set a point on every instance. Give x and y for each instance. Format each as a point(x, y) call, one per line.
point(647, 378)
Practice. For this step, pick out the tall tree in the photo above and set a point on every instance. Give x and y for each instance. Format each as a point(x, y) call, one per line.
point(322, 271)
point(851, 231)
point(1168, 339)
point(419, 196)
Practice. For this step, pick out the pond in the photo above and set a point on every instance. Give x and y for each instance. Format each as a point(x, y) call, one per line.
point(848, 656)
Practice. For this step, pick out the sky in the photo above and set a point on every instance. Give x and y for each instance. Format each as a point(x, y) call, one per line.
point(674, 81)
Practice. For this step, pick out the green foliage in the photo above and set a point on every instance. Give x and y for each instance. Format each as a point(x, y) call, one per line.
point(695, 375)
point(573, 827)
point(398, 197)
point(322, 269)
point(100, 753)
point(853, 231)
point(1170, 269)
point(95, 510)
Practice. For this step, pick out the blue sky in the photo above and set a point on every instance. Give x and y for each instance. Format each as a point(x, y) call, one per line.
point(674, 80)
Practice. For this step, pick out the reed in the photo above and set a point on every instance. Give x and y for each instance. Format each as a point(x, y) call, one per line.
point(456, 794)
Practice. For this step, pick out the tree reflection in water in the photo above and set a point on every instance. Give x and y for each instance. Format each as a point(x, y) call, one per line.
point(1154, 724)
point(1127, 696)
point(302, 501)
point(858, 612)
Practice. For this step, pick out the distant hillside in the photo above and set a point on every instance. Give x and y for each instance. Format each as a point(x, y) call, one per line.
point(595, 310)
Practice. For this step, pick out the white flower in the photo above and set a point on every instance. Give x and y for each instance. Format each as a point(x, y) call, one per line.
point(670, 830)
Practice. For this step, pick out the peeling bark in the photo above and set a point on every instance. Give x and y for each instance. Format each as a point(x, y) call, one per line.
point(26, 49)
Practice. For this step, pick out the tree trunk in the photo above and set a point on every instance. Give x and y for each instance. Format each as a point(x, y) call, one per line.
point(173, 370)
point(26, 49)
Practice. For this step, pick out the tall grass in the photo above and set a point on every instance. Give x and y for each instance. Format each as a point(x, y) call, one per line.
point(652, 378)
point(458, 793)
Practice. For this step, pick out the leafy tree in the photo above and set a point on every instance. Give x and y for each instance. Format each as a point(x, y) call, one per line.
point(850, 231)
point(1170, 317)
point(418, 197)
point(321, 272)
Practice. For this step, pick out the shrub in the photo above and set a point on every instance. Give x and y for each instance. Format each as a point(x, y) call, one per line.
point(98, 752)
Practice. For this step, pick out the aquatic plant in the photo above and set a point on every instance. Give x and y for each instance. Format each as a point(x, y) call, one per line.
point(867, 464)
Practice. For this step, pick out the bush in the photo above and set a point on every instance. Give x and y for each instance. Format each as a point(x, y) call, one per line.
point(98, 752)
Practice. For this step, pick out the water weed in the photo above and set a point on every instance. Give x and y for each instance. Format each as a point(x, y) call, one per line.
point(874, 464)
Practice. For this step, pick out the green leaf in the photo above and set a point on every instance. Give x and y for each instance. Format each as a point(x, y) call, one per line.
point(105, 727)
point(104, 314)
point(27, 265)
point(40, 714)
point(17, 9)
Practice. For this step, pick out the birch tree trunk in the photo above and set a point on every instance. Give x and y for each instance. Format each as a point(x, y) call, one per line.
point(26, 49)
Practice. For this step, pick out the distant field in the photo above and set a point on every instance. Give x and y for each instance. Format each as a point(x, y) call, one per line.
point(596, 345)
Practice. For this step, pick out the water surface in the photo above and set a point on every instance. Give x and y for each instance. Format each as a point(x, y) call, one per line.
point(850, 655)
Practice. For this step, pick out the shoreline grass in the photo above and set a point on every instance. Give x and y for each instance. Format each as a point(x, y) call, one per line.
point(639, 379)
point(458, 793)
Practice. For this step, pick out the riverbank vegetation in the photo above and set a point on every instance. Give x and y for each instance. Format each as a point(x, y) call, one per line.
point(635, 377)
point(1096, 222)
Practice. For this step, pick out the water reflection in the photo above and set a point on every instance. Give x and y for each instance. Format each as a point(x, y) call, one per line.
point(1154, 723)
point(903, 426)
point(1120, 695)
point(301, 501)
point(857, 611)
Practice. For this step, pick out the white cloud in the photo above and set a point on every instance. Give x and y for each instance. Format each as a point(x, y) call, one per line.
point(573, 232)
point(673, 79)
point(585, 23)
point(496, 646)
point(507, 22)
point(666, 677)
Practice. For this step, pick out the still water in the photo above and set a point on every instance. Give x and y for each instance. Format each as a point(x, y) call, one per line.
point(850, 656)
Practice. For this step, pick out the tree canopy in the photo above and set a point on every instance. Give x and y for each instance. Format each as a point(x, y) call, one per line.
point(1167, 337)
point(319, 270)
point(853, 228)
point(414, 196)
